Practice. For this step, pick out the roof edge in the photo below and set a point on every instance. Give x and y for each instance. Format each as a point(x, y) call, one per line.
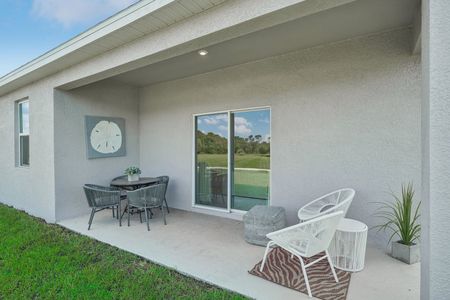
point(101, 29)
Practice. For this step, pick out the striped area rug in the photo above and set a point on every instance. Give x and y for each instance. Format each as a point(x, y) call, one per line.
point(280, 268)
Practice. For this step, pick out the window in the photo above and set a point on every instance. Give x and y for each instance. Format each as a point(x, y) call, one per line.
point(23, 126)
point(232, 159)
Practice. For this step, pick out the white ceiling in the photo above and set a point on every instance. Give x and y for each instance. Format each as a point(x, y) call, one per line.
point(355, 19)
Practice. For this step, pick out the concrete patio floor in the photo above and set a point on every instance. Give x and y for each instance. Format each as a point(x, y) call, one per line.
point(212, 249)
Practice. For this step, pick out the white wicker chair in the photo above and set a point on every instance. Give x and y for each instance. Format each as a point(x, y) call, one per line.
point(339, 200)
point(305, 240)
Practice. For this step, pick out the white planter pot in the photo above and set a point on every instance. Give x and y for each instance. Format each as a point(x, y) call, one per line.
point(405, 253)
point(134, 177)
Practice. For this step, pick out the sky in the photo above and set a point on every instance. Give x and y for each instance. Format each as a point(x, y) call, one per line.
point(245, 123)
point(29, 28)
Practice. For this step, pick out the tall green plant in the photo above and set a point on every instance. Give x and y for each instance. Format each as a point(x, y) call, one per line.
point(400, 217)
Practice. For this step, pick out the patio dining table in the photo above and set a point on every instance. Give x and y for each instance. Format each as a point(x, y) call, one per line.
point(123, 183)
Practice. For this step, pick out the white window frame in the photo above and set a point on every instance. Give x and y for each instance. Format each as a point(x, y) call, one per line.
point(228, 210)
point(20, 134)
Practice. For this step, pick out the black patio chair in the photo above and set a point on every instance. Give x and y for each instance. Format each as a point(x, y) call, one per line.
point(102, 197)
point(145, 199)
point(164, 180)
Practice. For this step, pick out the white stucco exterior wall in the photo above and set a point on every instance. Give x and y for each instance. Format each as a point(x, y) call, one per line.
point(436, 150)
point(72, 168)
point(34, 189)
point(29, 188)
point(58, 163)
point(343, 115)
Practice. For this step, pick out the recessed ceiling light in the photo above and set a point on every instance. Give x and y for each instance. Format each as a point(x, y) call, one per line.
point(203, 52)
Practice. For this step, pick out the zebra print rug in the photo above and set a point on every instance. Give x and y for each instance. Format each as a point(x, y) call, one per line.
point(280, 268)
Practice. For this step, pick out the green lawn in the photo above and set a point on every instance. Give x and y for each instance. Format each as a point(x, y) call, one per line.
point(42, 261)
point(241, 161)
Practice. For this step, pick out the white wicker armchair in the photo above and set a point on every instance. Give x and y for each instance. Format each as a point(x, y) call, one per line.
point(339, 200)
point(305, 240)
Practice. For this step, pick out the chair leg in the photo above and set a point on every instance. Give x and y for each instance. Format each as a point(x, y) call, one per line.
point(302, 264)
point(128, 213)
point(167, 206)
point(91, 218)
point(114, 215)
point(146, 219)
point(269, 244)
point(331, 266)
point(119, 214)
point(164, 215)
point(124, 211)
point(140, 216)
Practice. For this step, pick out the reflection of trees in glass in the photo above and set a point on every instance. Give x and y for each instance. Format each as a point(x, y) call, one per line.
point(211, 143)
point(251, 145)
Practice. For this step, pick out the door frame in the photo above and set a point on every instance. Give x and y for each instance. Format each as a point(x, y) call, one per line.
point(228, 210)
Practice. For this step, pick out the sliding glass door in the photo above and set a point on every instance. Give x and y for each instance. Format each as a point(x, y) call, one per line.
point(250, 163)
point(232, 159)
point(211, 176)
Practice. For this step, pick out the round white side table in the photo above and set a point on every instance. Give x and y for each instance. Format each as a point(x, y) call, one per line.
point(348, 246)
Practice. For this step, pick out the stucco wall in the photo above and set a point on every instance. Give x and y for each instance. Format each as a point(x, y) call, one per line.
point(436, 150)
point(343, 115)
point(29, 188)
point(72, 168)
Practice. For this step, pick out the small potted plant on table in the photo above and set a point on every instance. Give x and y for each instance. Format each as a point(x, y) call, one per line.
point(402, 220)
point(133, 173)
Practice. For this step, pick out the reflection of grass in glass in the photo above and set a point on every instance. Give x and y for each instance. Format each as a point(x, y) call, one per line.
point(251, 183)
point(247, 183)
point(256, 161)
point(251, 191)
point(251, 177)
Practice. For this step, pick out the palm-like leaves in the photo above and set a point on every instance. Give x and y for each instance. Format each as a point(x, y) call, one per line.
point(400, 217)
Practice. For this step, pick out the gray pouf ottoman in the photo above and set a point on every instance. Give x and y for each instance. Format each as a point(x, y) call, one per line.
point(261, 220)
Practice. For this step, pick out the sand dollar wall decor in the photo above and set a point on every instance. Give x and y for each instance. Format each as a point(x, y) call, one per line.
point(105, 137)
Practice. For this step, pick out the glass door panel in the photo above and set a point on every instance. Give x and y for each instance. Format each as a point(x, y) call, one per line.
point(211, 160)
point(250, 160)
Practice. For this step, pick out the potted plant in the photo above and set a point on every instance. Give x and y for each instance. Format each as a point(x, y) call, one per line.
point(133, 173)
point(402, 220)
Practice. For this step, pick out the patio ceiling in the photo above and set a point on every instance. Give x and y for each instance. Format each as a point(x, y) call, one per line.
point(358, 18)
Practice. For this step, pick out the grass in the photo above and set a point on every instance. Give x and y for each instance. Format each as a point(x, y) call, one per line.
point(42, 261)
point(241, 161)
